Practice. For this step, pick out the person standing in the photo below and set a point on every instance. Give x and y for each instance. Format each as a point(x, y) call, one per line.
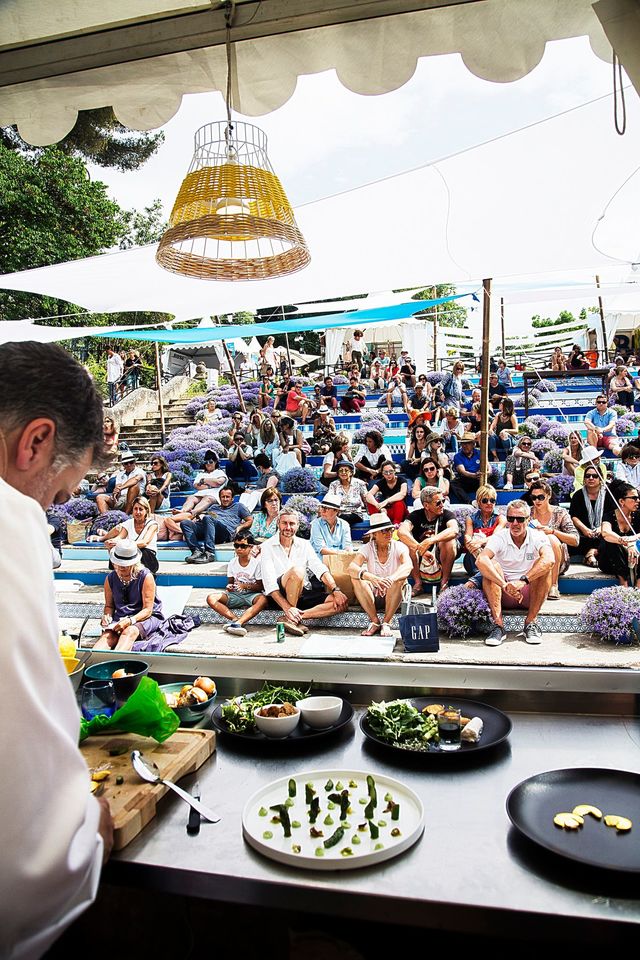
point(54, 840)
point(133, 366)
point(115, 369)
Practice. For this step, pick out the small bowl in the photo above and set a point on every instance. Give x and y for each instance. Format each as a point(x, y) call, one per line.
point(320, 712)
point(75, 669)
point(188, 714)
point(123, 686)
point(276, 727)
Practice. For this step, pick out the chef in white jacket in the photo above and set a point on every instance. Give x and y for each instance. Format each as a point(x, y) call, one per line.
point(54, 835)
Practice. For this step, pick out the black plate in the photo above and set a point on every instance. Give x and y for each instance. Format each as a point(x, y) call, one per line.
point(300, 735)
point(497, 727)
point(533, 804)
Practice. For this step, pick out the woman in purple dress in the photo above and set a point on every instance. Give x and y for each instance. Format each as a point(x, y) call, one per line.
point(132, 617)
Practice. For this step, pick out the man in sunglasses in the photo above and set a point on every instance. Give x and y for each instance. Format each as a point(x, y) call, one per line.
point(516, 567)
point(601, 426)
point(431, 530)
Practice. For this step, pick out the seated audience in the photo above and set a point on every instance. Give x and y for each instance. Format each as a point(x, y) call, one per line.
point(503, 430)
point(219, 525)
point(497, 391)
point(324, 431)
point(354, 397)
point(558, 360)
point(338, 451)
point(240, 468)
point(431, 534)
point(329, 394)
point(431, 475)
point(556, 522)
point(265, 522)
point(111, 438)
point(267, 476)
point(586, 509)
point(389, 494)
point(516, 566)
point(618, 551)
point(466, 471)
point(451, 429)
point(292, 440)
point(520, 461)
point(379, 572)
point(621, 387)
point(130, 483)
point(211, 412)
point(628, 467)
point(479, 527)
point(207, 484)
point(297, 404)
point(243, 597)
point(295, 578)
point(132, 618)
point(329, 533)
point(589, 457)
point(572, 454)
point(601, 426)
point(370, 456)
point(267, 394)
point(396, 385)
point(407, 369)
point(351, 492)
point(268, 441)
point(417, 450)
point(158, 483)
point(141, 529)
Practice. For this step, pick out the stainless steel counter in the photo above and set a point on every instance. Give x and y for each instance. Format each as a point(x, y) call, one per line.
point(469, 872)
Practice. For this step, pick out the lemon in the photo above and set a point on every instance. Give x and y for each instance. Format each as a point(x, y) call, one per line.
point(66, 646)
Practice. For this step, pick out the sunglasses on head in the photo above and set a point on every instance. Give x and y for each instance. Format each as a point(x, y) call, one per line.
point(517, 519)
point(488, 500)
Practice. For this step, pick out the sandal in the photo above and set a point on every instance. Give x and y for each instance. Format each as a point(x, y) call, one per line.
point(590, 559)
point(386, 630)
point(417, 589)
point(371, 630)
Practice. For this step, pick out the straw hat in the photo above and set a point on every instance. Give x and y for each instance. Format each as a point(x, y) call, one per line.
point(379, 522)
point(468, 438)
point(125, 554)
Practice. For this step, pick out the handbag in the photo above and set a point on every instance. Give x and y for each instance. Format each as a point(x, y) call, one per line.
point(418, 629)
point(430, 568)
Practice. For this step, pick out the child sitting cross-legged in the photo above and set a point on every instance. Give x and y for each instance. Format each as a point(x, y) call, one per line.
point(243, 598)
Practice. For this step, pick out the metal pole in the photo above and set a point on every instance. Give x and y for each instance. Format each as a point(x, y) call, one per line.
point(605, 357)
point(435, 332)
point(160, 400)
point(233, 376)
point(484, 435)
point(286, 340)
point(504, 352)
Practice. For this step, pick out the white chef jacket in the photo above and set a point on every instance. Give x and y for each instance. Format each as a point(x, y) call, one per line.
point(115, 368)
point(51, 851)
point(275, 561)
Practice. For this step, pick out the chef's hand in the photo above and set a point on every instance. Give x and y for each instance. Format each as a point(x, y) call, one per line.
point(105, 828)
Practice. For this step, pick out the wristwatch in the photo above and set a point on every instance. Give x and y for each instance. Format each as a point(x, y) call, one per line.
point(525, 579)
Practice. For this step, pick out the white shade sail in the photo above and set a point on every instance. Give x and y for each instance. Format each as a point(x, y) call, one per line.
point(142, 56)
point(528, 203)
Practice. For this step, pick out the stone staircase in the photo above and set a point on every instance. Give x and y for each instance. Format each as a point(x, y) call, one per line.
point(144, 435)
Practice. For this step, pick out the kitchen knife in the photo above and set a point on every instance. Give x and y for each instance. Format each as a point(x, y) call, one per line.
point(193, 823)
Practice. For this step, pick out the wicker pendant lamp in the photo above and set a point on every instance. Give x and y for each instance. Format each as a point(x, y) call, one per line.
point(232, 219)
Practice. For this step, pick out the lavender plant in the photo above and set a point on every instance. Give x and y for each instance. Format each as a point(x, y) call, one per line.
point(463, 612)
point(609, 614)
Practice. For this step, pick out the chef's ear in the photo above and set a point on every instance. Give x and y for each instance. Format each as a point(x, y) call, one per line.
point(35, 445)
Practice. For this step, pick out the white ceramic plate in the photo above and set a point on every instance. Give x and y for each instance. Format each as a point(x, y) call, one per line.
point(365, 853)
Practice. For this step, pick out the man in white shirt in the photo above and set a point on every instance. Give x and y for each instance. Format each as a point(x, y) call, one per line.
point(516, 567)
point(293, 576)
point(130, 483)
point(55, 836)
point(115, 369)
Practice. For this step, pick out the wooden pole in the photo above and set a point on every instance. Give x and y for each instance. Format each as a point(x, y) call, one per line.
point(504, 352)
point(232, 370)
point(160, 400)
point(286, 338)
point(435, 332)
point(486, 326)
point(605, 356)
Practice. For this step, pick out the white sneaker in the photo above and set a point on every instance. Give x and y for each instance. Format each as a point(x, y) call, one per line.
point(554, 592)
point(236, 629)
point(508, 486)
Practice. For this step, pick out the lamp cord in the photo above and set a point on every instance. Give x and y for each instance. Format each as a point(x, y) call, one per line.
point(618, 95)
point(229, 14)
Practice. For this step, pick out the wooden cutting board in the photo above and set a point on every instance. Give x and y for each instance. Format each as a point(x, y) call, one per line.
point(133, 803)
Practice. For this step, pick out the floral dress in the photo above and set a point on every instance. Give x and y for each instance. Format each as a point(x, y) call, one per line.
point(262, 528)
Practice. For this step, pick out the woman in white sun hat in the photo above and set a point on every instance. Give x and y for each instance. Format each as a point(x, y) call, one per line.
point(378, 573)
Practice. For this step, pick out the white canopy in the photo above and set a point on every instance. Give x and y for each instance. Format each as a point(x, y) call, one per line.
point(142, 56)
point(534, 201)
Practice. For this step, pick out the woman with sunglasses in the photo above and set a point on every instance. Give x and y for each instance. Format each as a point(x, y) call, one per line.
point(431, 475)
point(572, 454)
point(586, 510)
point(479, 526)
point(558, 526)
point(351, 492)
point(628, 468)
point(435, 446)
point(339, 450)
point(267, 441)
point(158, 481)
point(519, 462)
point(389, 494)
point(503, 430)
point(618, 553)
point(417, 450)
point(265, 522)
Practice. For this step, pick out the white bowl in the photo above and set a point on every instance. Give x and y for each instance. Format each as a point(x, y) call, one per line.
point(320, 712)
point(276, 727)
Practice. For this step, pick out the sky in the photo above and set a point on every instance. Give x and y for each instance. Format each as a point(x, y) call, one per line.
point(326, 140)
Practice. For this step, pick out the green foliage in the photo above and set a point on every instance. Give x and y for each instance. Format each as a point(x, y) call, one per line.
point(144, 226)
point(449, 314)
point(98, 137)
point(565, 316)
point(196, 387)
